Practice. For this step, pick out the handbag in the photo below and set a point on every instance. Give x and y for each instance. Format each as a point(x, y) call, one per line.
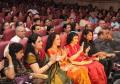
point(24, 79)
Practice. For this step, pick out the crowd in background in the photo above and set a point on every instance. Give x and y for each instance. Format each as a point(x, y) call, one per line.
point(40, 37)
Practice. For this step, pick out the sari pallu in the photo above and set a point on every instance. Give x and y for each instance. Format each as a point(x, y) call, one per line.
point(95, 69)
point(56, 75)
point(78, 74)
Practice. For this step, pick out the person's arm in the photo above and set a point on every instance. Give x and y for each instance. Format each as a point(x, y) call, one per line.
point(73, 57)
point(99, 54)
point(9, 71)
point(81, 63)
point(35, 66)
point(36, 69)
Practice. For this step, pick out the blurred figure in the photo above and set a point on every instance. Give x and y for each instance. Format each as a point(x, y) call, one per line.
point(114, 23)
point(99, 28)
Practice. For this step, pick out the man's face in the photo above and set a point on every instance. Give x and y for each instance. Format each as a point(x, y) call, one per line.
point(21, 32)
point(102, 24)
point(37, 30)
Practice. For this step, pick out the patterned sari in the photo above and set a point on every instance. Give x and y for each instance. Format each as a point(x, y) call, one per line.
point(79, 75)
point(95, 69)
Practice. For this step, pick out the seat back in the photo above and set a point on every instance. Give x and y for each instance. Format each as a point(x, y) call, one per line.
point(8, 34)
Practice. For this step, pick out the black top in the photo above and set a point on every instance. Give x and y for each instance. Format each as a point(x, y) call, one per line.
point(92, 50)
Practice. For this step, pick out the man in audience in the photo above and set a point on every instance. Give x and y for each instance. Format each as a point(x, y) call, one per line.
point(67, 28)
point(20, 35)
point(93, 18)
point(98, 28)
point(114, 23)
point(36, 21)
point(36, 29)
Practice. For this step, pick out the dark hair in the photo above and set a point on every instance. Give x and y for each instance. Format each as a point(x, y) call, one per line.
point(31, 39)
point(70, 37)
point(36, 19)
point(84, 33)
point(49, 28)
point(13, 49)
point(18, 23)
point(34, 26)
point(65, 25)
point(29, 47)
point(100, 33)
point(50, 40)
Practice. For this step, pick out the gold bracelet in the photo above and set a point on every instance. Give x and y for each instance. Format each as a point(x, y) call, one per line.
point(48, 65)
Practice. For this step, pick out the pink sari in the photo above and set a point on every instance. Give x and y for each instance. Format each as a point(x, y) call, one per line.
point(95, 69)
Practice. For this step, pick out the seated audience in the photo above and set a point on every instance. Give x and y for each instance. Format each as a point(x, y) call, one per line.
point(57, 73)
point(97, 76)
point(32, 58)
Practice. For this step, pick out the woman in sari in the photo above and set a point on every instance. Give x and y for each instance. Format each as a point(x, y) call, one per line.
point(100, 50)
point(79, 75)
point(95, 69)
point(32, 59)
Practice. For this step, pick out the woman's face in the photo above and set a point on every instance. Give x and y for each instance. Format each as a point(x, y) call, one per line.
point(75, 40)
point(6, 25)
point(57, 40)
point(38, 43)
point(19, 54)
point(89, 36)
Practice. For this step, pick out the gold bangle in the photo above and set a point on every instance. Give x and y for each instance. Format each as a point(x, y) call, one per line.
point(48, 65)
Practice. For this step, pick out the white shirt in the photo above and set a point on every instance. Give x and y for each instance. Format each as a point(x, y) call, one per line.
point(96, 31)
point(115, 25)
point(33, 11)
point(16, 39)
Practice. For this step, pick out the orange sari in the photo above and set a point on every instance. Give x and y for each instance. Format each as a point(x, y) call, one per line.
point(95, 69)
point(78, 74)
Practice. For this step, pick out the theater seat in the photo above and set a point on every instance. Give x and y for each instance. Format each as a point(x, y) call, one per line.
point(24, 42)
point(44, 40)
point(8, 34)
point(28, 33)
point(57, 21)
point(58, 29)
point(43, 32)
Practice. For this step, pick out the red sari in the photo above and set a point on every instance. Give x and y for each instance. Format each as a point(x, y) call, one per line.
point(95, 69)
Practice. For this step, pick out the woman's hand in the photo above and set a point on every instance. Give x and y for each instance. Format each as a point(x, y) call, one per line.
point(1, 64)
point(100, 54)
point(82, 47)
point(87, 50)
point(41, 76)
point(9, 57)
point(81, 63)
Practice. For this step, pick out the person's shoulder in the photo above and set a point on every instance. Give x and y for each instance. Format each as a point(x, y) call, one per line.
point(15, 39)
point(30, 54)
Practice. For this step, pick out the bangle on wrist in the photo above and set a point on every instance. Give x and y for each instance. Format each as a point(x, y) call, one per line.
point(11, 66)
point(48, 64)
